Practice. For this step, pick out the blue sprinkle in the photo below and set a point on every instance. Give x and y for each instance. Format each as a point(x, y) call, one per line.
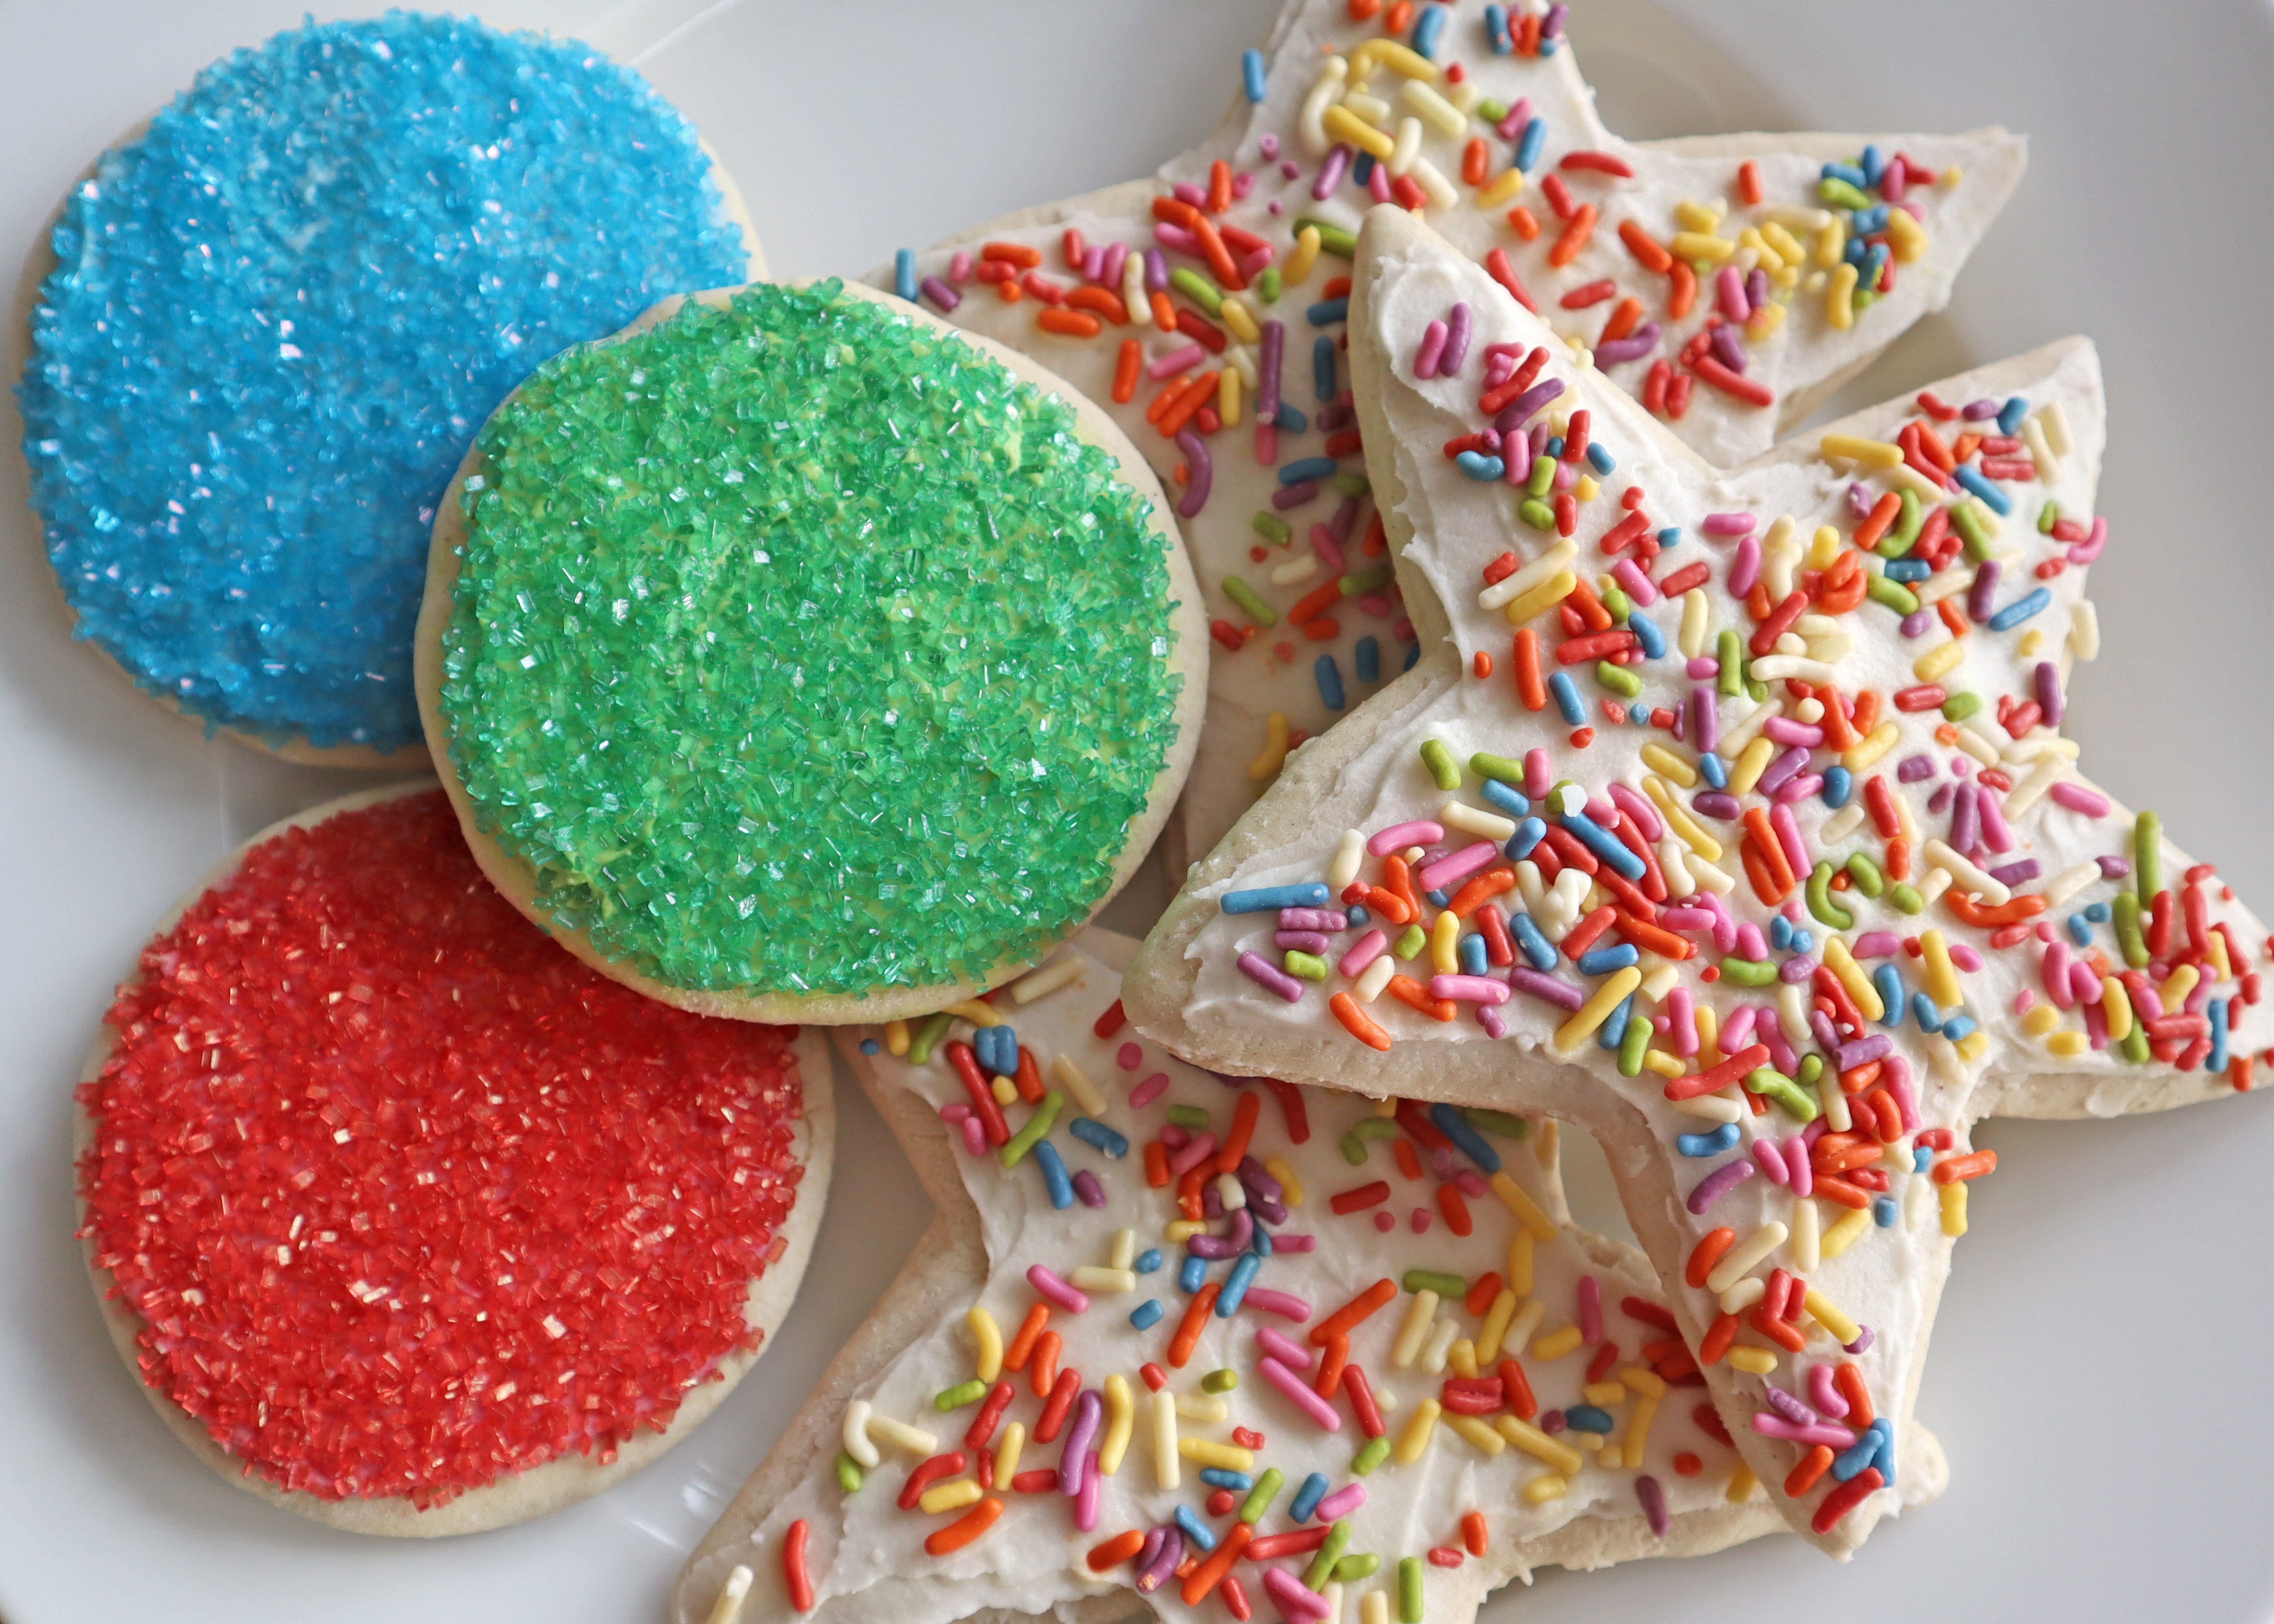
point(1099, 1137)
point(1909, 569)
point(1716, 771)
point(1438, 898)
point(1329, 679)
point(1292, 419)
point(1922, 1160)
point(1192, 1274)
point(1600, 457)
point(1780, 932)
point(1427, 28)
point(2097, 912)
point(1852, 1461)
point(1308, 469)
point(1235, 1284)
point(1361, 167)
point(1054, 1174)
point(1196, 1532)
point(1528, 834)
point(1472, 950)
point(1465, 1139)
point(1251, 74)
point(1972, 478)
point(1864, 221)
point(1838, 783)
point(1615, 1029)
point(904, 274)
point(1853, 252)
point(1148, 1260)
point(1646, 633)
point(347, 200)
point(1721, 1139)
point(1874, 263)
point(1367, 656)
point(1147, 1314)
point(1506, 798)
point(1547, 47)
point(1670, 537)
point(1528, 143)
point(2079, 929)
point(870, 1046)
point(1889, 981)
point(1322, 368)
point(1552, 447)
point(1883, 1212)
point(2010, 415)
point(1567, 697)
point(1223, 1478)
point(1849, 172)
point(1314, 1489)
point(2217, 1009)
point(1412, 656)
point(1872, 164)
point(1271, 898)
point(1958, 1028)
point(1587, 1418)
point(1480, 466)
point(1603, 960)
point(1538, 951)
point(1602, 842)
point(1803, 940)
point(1326, 312)
point(1360, 918)
point(1922, 1011)
point(2020, 610)
point(1885, 1461)
point(1262, 1245)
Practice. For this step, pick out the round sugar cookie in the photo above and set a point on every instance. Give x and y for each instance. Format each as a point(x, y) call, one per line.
point(794, 657)
point(404, 1219)
point(268, 321)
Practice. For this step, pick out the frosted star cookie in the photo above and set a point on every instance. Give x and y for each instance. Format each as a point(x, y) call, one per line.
point(274, 317)
point(1190, 1342)
point(793, 656)
point(403, 1219)
point(1730, 282)
point(1728, 815)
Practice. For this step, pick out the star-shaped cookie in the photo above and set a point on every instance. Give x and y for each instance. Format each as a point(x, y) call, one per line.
point(1730, 281)
point(1164, 1315)
point(1728, 815)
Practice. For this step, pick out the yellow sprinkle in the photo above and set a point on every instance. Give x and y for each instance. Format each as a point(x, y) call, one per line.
point(1202, 1407)
point(2068, 1044)
point(1241, 320)
point(978, 1011)
point(1587, 489)
point(1346, 125)
point(1842, 1328)
point(1701, 245)
point(1397, 58)
point(1692, 215)
point(1973, 1046)
point(1477, 1432)
point(1824, 550)
point(1496, 1317)
point(1932, 665)
point(1697, 620)
point(949, 1496)
point(1754, 1361)
point(1646, 1411)
point(1520, 1259)
point(1386, 1106)
point(1123, 1252)
point(1691, 832)
point(1709, 1038)
point(1784, 242)
point(2041, 1019)
point(1603, 1395)
point(987, 1338)
point(1858, 985)
point(1953, 1210)
point(1418, 1314)
point(2178, 984)
point(1537, 1444)
point(1556, 1344)
point(1941, 976)
point(1005, 1091)
point(1644, 1380)
point(1582, 1026)
point(1461, 1356)
point(1767, 320)
point(1840, 298)
point(1165, 1441)
point(1542, 597)
point(1752, 762)
point(2033, 641)
point(1305, 255)
point(1076, 1082)
point(1225, 1457)
point(1120, 1421)
point(1870, 455)
point(1852, 1226)
point(1006, 1453)
point(2221, 970)
point(1906, 236)
point(1741, 1260)
point(900, 1435)
point(1875, 744)
point(1741, 1485)
point(1665, 1064)
point(1372, 1608)
point(1266, 767)
point(2116, 1007)
point(1419, 1429)
point(1291, 1187)
point(1657, 756)
point(1527, 1211)
point(1227, 383)
point(896, 1037)
point(1832, 244)
point(1500, 188)
point(1445, 943)
point(1182, 1229)
point(1538, 1491)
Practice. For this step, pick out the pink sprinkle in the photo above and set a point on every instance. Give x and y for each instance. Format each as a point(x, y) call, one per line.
point(975, 1136)
point(1827, 1398)
point(1745, 568)
point(1284, 1348)
point(1197, 1150)
point(1268, 147)
point(1728, 524)
point(1729, 291)
point(1175, 361)
point(1471, 1182)
point(1127, 1057)
point(1432, 345)
point(1145, 1092)
point(1489, 1018)
point(1797, 1164)
point(1639, 587)
point(1469, 989)
point(1375, 604)
point(1459, 866)
point(1539, 774)
point(1086, 1498)
point(1286, 1304)
point(1176, 237)
point(1057, 1290)
point(1419, 1221)
point(1787, 832)
point(1772, 1161)
point(1384, 1223)
point(1190, 192)
point(2081, 798)
point(1398, 836)
point(1299, 1603)
point(958, 268)
point(1367, 947)
point(1877, 944)
point(1309, 1402)
point(1329, 550)
point(954, 1110)
point(1341, 1503)
point(1965, 957)
point(1377, 184)
point(1590, 1310)
point(1267, 443)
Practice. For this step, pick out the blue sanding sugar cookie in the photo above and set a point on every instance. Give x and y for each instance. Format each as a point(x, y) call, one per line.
point(279, 316)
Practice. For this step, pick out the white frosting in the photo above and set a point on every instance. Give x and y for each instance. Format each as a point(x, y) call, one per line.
point(866, 1555)
point(1890, 1278)
point(1248, 686)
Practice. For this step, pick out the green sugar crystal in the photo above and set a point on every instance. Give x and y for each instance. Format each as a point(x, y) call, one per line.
point(799, 648)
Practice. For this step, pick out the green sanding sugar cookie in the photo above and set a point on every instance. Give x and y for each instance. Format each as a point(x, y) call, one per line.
point(800, 648)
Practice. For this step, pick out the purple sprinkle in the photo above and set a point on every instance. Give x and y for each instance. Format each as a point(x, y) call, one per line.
point(1914, 624)
point(1331, 172)
point(1864, 1338)
point(1551, 26)
point(1646, 1489)
point(1974, 411)
point(2115, 868)
point(1914, 769)
point(1087, 1411)
point(1797, 969)
point(1790, 1407)
point(1785, 765)
point(1294, 495)
point(1340, 414)
point(1267, 371)
point(1547, 987)
point(1345, 521)
point(1965, 818)
point(1087, 1189)
point(1725, 346)
point(1211, 1202)
point(1457, 323)
point(1719, 1183)
point(1716, 804)
point(1259, 1183)
point(1269, 976)
point(1302, 941)
point(1202, 466)
point(1757, 288)
point(1216, 1248)
point(940, 294)
point(1862, 1051)
point(1525, 406)
point(1745, 568)
point(2018, 873)
point(2050, 699)
point(1633, 347)
point(1940, 799)
point(1314, 919)
point(1859, 500)
point(1552, 1422)
point(1152, 1576)
point(1156, 271)
point(1982, 596)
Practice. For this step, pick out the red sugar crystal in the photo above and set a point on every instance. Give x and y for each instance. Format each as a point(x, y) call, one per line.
point(406, 1198)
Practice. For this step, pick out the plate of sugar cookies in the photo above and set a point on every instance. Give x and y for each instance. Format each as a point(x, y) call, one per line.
point(1402, 827)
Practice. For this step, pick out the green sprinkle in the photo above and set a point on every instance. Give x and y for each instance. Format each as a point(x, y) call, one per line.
point(1256, 610)
point(1364, 581)
point(2134, 1046)
point(1618, 679)
point(957, 1397)
point(1410, 942)
point(1492, 109)
point(1435, 1280)
point(1198, 288)
point(1338, 1537)
point(1812, 1067)
point(798, 560)
point(1904, 534)
point(1191, 1118)
point(1865, 876)
point(1220, 1381)
point(2048, 517)
point(1979, 543)
point(1259, 1498)
point(1892, 593)
point(1542, 478)
point(2148, 856)
point(1267, 285)
point(1617, 605)
point(1368, 1128)
point(920, 1042)
point(1731, 655)
point(1359, 1565)
point(1441, 763)
point(1820, 900)
point(1960, 705)
point(849, 1473)
point(1772, 1084)
point(1536, 513)
point(1272, 527)
point(1841, 194)
point(1632, 1043)
point(1307, 966)
point(1409, 1589)
point(1906, 898)
point(1486, 765)
point(1755, 690)
point(1372, 1455)
point(1748, 972)
point(1499, 1124)
point(2124, 908)
point(1350, 482)
point(1339, 241)
point(1865, 298)
point(1036, 1125)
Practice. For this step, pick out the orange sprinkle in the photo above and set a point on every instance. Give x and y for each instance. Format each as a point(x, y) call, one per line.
point(1649, 252)
point(1165, 314)
point(1456, 1208)
point(1748, 183)
point(1022, 1345)
point(1530, 686)
point(1125, 368)
point(1020, 255)
point(1810, 1470)
point(1409, 1163)
point(1189, 1328)
point(1706, 1254)
point(1473, 1532)
point(1473, 160)
point(1045, 1373)
point(1219, 190)
point(1482, 664)
point(1243, 1127)
point(1355, 1021)
point(1116, 1550)
point(1575, 238)
point(1219, 1560)
point(1103, 301)
point(965, 1528)
point(1685, 290)
point(1524, 222)
point(1719, 1336)
point(1354, 1313)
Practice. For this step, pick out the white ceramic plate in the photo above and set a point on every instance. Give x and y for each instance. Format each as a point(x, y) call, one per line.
point(2097, 1380)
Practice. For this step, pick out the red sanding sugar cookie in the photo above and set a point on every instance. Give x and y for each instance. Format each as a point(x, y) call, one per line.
point(397, 1202)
